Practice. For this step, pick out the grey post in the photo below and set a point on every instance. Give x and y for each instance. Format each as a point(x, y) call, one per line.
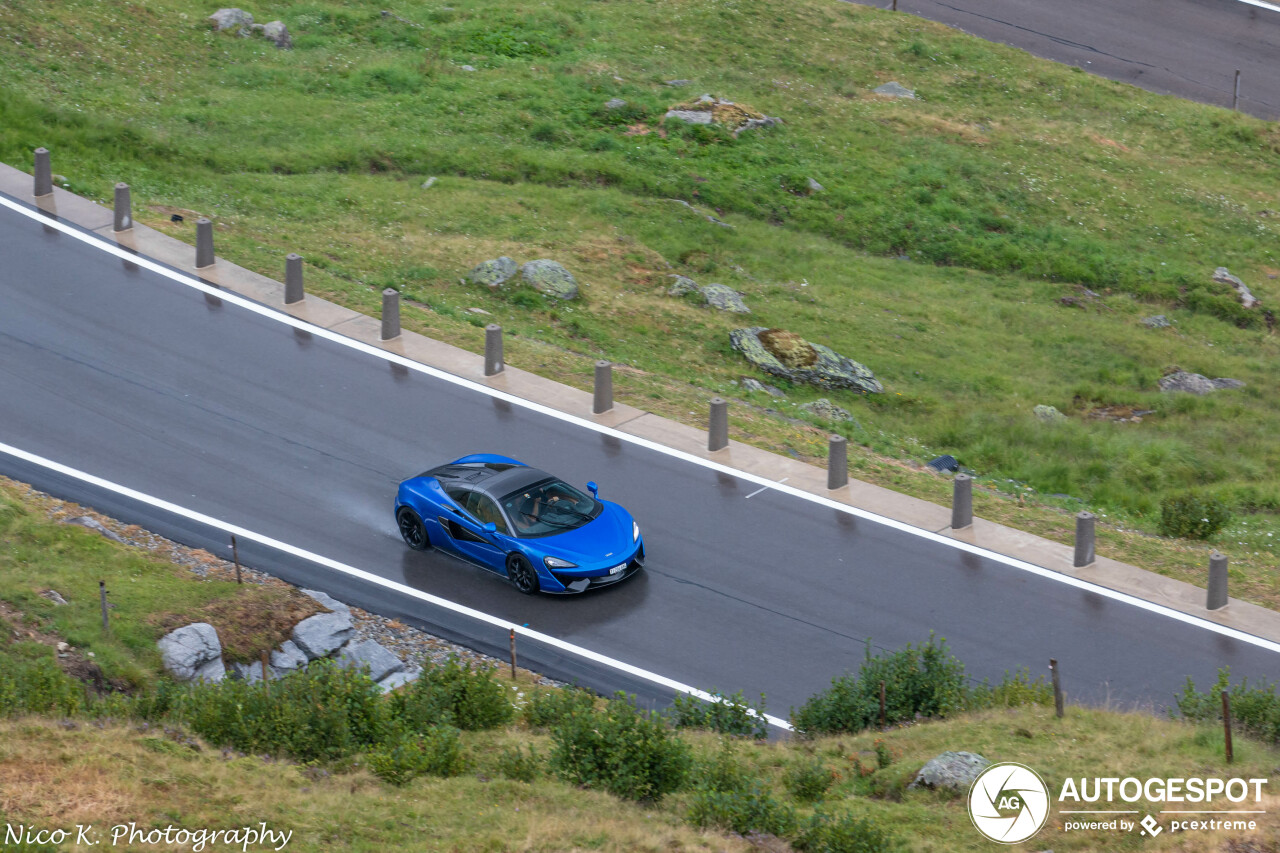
point(493, 363)
point(962, 503)
point(603, 401)
point(44, 173)
point(718, 428)
point(1217, 598)
point(1235, 95)
point(204, 243)
point(123, 219)
point(390, 314)
point(837, 462)
point(1084, 540)
point(293, 291)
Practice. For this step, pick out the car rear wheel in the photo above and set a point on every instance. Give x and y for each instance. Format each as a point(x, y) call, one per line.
point(412, 530)
point(521, 574)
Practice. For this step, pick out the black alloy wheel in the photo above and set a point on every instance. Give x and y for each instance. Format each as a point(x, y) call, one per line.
point(412, 530)
point(521, 574)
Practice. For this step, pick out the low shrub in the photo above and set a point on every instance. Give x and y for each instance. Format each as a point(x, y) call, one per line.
point(37, 686)
point(408, 755)
point(519, 765)
point(1191, 516)
point(843, 833)
point(454, 695)
point(721, 770)
point(752, 809)
point(1255, 710)
point(808, 780)
point(730, 715)
point(1015, 690)
point(545, 708)
point(622, 750)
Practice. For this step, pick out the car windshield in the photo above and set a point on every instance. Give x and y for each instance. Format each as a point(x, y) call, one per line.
point(549, 507)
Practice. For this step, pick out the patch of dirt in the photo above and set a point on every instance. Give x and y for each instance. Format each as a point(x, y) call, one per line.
point(788, 347)
point(1108, 143)
point(248, 624)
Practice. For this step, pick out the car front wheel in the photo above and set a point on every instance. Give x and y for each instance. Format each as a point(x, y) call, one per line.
point(521, 574)
point(412, 530)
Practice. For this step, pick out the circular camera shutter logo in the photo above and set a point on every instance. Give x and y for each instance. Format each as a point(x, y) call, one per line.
point(1009, 803)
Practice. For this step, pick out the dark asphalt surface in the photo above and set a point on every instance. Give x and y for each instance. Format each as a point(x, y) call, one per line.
point(1188, 48)
point(124, 374)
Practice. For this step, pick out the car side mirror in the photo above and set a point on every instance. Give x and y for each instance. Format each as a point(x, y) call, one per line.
point(594, 489)
point(490, 527)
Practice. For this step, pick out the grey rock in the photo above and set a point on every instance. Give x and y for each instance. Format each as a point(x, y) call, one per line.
point(954, 771)
point(52, 595)
point(429, 182)
point(753, 123)
point(1157, 321)
point(682, 286)
point(494, 273)
point(288, 658)
point(614, 104)
point(278, 33)
point(327, 600)
point(831, 370)
point(725, 298)
point(323, 634)
point(1194, 383)
point(1048, 414)
point(399, 679)
point(468, 68)
point(1222, 276)
point(815, 187)
point(749, 384)
point(93, 524)
point(690, 116)
point(250, 672)
point(893, 89)
point(677, 82)
point(827, 410)
point(368, 653)
point(189, 652)
point(550, 278)
point(230, 19)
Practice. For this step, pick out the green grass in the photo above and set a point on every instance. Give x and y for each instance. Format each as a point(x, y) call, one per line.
point(1009, 184)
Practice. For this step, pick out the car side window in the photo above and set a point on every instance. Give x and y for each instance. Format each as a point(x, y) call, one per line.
point(486, 510)
point(458, 494)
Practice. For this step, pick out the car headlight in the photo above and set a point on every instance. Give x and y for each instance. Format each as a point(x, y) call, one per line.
point(557, 563)
point(635, 530)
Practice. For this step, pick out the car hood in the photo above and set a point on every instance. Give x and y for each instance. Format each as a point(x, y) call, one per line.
point(606, 537)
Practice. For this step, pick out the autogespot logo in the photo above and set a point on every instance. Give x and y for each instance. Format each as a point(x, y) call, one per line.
point(1009, 802)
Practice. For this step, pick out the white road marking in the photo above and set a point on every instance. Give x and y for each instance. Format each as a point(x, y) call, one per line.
point(937, 538)
point(369, 577)
point(762, 488)
point(1262, 4)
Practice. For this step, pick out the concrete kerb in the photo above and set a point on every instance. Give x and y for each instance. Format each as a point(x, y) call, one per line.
point(1112, 574)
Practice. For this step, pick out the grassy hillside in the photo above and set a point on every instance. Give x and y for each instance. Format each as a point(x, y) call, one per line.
point(948, 232)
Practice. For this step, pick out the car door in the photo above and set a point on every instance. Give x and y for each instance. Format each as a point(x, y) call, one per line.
point(467, 535)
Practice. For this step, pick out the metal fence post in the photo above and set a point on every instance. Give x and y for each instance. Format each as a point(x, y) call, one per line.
point(390, 314)
point(204, 243)
point(44, 173)
point(493, 362)
point(603, 400)
point(1084, 540)
point(1235, 94)
point(837, 461)
point(718, 428)
point(1217, 597)
point(293, 291)
point(962, 503)
point(123, 217)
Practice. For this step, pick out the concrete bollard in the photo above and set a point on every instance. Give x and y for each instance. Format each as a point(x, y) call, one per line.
point(293, 291)
point(123, 218)
point(390, 314)
point(837, 462)
point(718, 428)
point(204, 243)
point(1217, 597)
point(493, 363)
point(962, 503)
point(1084, 540)
point(603, 401)
point(44, 173)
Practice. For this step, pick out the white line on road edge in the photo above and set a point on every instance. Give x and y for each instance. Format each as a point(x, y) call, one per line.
point(244, 533)
point(1262, 4)
point(289, 320)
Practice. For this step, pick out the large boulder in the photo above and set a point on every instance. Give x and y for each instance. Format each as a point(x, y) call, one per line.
point(321, 635)
point(493, 273)
point(235, 20)
point(953, 771)
point(1194, 383)
point(327, 600)
point(288, 657)
point(250, 672)
point(277, 32)
point(1247, 299)
point(550, 278)
point(193, 653)
point(791, 357)
point(368, 653)
point(725, 298)
point(399, 679)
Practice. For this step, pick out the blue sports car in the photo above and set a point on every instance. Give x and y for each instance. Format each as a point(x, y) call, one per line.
point(502, 515)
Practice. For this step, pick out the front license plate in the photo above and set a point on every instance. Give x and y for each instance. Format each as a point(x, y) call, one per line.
point(617, 569)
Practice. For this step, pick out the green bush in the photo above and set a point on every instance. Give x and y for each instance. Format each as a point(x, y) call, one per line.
point(1255, 710)
point(720, 771)
point(454, 695)
point(1191, 516)
point(546, 708)
point(622, 750)
point(1015, 690)
point(925, 681)
point(752, 809)
point(519, 765)
point(408, 755)
point(37, 686)
point(730, 715)
point(827, 833)
point(807, 780)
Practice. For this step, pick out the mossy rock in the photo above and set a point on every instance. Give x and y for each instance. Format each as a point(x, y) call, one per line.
point(550, 278)
point(788, 347)
point(493, 273)
point(828, 370)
